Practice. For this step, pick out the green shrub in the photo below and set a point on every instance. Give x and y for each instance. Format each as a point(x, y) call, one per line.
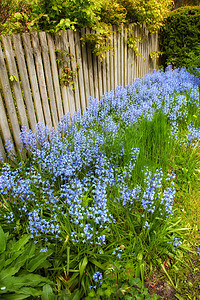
point(180, 36)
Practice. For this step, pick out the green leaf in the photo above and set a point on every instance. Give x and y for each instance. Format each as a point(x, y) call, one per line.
point(139, 256)
point(20, 243)
point(13, 78)
point(47, 293)
point(14, 297)
point(76, 296)
point(2, 241)
point(37, 261)
point(96, 263)
point(83, 265)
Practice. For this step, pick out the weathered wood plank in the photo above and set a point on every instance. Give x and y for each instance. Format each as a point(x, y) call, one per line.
point(48, 76)
point(119, 56)
point(104, 77)
point(129, 60)
point(115, 57)
point(80, 71)
point(107, 66)
point(59, 45)
point(9, 54)
point(122, 55)
point(24, 80)
point(5, 84)
point(41, 78)
point(95, 73)
point(85, 69)
point(112, 54)
point(5, 130)
point(125, 57)
point(56, 82)
point(74, 66)
point(2, 150)
point(66, 90)
point(33, 77)
point(100, 80)
point(90, 67)
point(134, 58)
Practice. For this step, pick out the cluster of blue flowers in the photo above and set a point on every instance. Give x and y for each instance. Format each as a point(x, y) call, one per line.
point(70, 177)
point(98, 279)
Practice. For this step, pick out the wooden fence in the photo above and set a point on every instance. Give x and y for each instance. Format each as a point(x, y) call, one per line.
point(30, 87)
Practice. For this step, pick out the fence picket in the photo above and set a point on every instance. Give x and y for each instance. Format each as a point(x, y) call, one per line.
point(5, 85)
point(55, 77)
point(85, 70)
point(115, 57)
point(48, 75)
point(33, 77)
point(10, 58)
point(2, 150)
point(25, 80)
point(74, 66)
point(41, 78)
point(90, 67)
point(80, 71)
point(122, 55)
point(100, 80)
point(119, 74)
point(4, 127)
point(112, 53)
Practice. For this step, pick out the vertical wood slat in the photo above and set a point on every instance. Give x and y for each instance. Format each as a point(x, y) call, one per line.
point(55, 76)
point(112, 52)
point(115, 57)
point(59, 45)
point(118, 57)
point(33, 77)
point(25, 80)
point(90, 67)
point(73, 64)
point(125, 57)
point(48, 76)
point(107, 66)
point(95, 73)
point(5, 130)
point(2, 150)
point(41, 78)
point(104, 76)
point(122, 55)
point(100, 80)
point(85, 70)
point(129, 59)
point(67, 91)
point(9, 101)
point(80, 71)
point(15, 84)
point(134, 57)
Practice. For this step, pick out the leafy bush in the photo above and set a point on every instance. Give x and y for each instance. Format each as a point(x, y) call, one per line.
point(151, 13)
point(47, 15)
point(180, 36)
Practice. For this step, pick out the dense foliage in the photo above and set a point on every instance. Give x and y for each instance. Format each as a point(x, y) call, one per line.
point(97, 196)
point(54, 15)
point(180, 37)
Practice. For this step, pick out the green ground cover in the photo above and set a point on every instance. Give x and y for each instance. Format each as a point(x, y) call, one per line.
point(107, 207)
